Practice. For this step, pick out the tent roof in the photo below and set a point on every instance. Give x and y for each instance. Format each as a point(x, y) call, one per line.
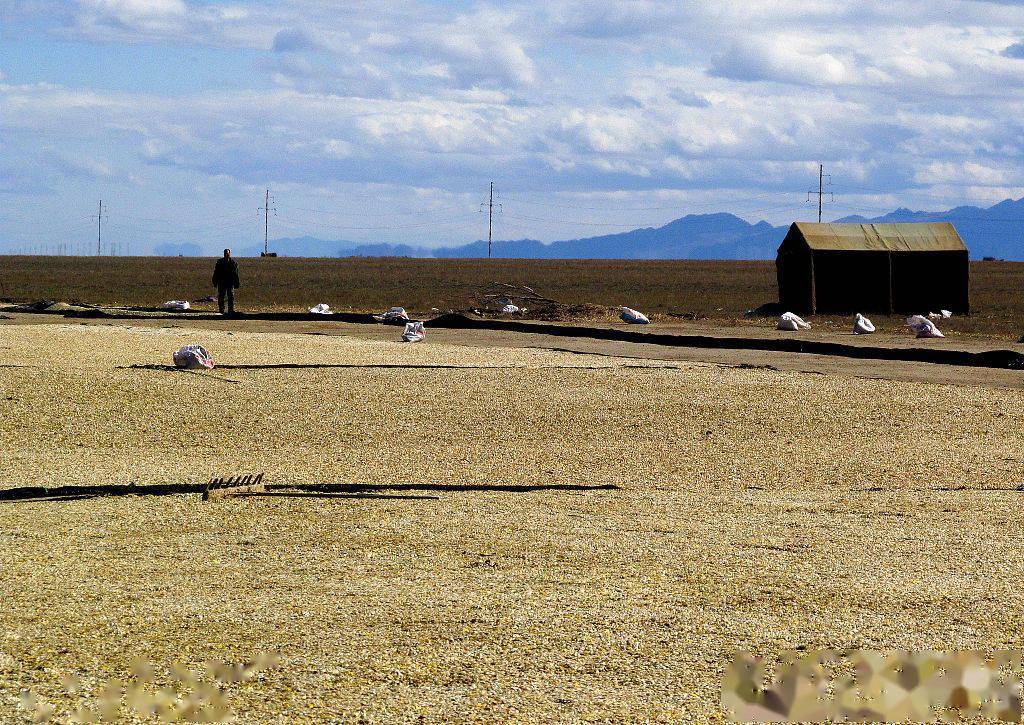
point(921, 237)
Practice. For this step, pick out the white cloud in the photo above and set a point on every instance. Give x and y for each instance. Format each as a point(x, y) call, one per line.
point(651, 97)
point(470, 50)
point(133, 15)
point(127, 10)
point(784, 59)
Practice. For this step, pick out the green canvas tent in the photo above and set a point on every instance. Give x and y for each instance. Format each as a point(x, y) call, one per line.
point(892, 268)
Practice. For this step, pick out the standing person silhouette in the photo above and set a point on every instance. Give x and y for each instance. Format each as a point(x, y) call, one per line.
point(225, 279)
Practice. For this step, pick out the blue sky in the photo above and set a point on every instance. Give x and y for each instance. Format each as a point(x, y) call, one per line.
point(385, 121)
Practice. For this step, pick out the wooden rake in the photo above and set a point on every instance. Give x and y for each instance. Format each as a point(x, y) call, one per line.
point(219, 487)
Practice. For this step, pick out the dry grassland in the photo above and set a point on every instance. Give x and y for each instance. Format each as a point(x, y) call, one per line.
point(755, 509)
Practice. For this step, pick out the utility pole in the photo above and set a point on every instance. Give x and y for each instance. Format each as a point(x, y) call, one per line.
point(266, 209)
point(490, 218)
point(821, 189)
point(99, 230)
point(821, 178)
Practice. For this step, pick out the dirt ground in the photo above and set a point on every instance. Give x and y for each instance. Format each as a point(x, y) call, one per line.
point(500, 532)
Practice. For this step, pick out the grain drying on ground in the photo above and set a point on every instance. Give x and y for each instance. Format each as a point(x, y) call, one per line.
point(755, 509)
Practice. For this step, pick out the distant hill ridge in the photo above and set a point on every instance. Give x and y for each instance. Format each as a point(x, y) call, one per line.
point(997, 231)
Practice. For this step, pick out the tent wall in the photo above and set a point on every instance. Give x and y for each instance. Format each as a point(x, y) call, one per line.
point(848, 282)
point(930, 281)
point(796, 279)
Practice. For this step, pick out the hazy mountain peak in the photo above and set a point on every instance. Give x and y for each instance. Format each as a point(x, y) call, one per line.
point(997, 231)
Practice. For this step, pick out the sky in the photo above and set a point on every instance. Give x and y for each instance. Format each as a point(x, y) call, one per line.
point(386, 121)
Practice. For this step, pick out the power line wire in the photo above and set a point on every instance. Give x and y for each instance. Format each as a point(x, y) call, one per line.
point(462, 218)
point(376, 214)
point(682, 204)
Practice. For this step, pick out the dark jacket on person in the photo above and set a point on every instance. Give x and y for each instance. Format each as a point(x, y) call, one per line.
point(225, 273)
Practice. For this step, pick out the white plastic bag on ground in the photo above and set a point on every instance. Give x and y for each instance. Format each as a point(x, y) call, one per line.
point(511, 309)
point(414, 332)
point(395, 313)
point(320, 309)
point(862, 325)
point(792, 322)
point(923, 327)
point(193, 357)
point(177, 305)
point(633, 317)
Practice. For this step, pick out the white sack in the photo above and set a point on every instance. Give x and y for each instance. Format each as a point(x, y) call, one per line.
point(862, 325)
point(320, 309)
point(395, 313)
point(193, 357)
point(792, 322)
point(414, 332)
point(511, 309)
point(178, 305)
point(633, 317)
point(923, 327)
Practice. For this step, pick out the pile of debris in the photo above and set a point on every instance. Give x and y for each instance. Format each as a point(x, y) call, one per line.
point(50, 306)
point(500, 299)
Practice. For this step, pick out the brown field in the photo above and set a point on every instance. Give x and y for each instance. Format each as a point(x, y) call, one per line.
point(718, 290)
point(372, 284)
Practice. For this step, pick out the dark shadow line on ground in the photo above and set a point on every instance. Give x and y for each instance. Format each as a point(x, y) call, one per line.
point(72, 493)
point(979, 488)
point(1000, 359)
point(320, 366)
point(329, 494)
point(443, 487)
point(47, 499)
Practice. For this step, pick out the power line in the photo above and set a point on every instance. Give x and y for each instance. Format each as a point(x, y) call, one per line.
point(633, 225)
point(191, 231)
point(682, 204)
point(414, 212)
point(571, 222)
point(297, 223)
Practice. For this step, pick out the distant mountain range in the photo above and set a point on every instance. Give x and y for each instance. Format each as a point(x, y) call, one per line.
point(997, 231)
point(707, 236)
